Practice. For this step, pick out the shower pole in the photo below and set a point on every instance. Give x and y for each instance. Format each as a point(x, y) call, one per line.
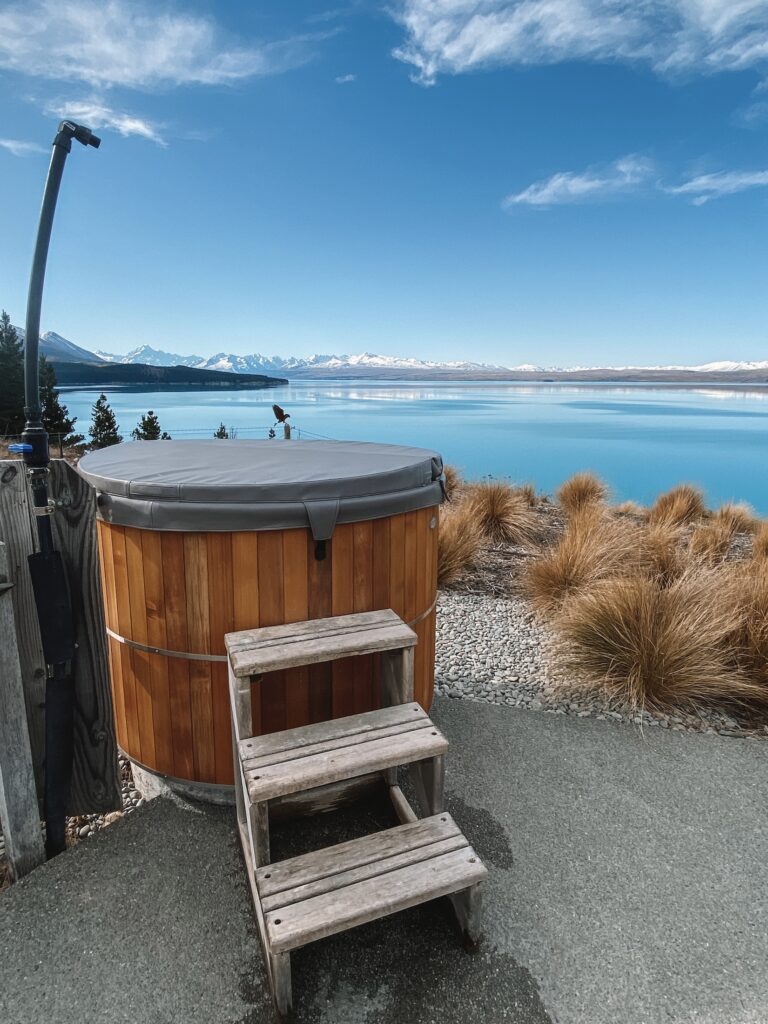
point(49, 580)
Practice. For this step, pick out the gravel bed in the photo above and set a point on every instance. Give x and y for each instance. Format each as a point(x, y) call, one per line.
point(495, 649)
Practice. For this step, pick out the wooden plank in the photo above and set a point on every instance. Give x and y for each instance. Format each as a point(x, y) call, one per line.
point(290, 739)
point(157, 636)
point(376, 755)
point(320, 580)
point(397, 567)
point(19, 814)
point(245, 586)
point(95, 776)
point(366, 693)
point(175, 612)
point(16, 532)
point(271, 612)
point(222, 621)
point(295, 574)
point(320, 916)
point(200, 684)
point(325, 798)
point(343, 603)
point(400, 805)
point(142, 672)
point(312, 629)
point(123, 609)
point(104, 535)
point(307, 868)
point(250, 655)
point(253, 764)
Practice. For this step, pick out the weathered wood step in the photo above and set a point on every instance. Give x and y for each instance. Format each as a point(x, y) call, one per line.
point(321, 893)
point(315, 755)
point(253, 652)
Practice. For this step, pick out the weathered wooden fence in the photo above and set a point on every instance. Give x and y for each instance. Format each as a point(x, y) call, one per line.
point(95, 782)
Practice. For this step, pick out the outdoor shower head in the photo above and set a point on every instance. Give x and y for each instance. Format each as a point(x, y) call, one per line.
point(68, 130)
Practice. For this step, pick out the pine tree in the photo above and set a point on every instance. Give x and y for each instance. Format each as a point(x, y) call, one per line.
point(222, 433)
point(11, 378)
point(56, 419)
point(148, 429)
point(103, 429)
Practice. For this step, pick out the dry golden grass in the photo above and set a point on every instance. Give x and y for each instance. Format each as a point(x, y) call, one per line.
point(710, 542)
point(593, 547)
point(528, 492)
point(458, 545)
point(738, 517)
point(662, 555)
point(451, 481)
point(680, 506)
point(657, 647)
point(748, 595)
point(580, 491)
point(503, 514)
point(760, 543)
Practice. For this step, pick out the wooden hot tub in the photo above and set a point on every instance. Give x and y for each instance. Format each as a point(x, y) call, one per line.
point(200, 538)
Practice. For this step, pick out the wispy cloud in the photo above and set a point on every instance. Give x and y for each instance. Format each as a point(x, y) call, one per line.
point(97, 116)
point(624, 175)
point(453, 36)
point(20, 148)
point(705, 187)
point(344, 79)
point(135, 44)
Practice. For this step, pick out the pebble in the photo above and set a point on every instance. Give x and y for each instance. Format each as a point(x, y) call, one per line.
point(497, 650)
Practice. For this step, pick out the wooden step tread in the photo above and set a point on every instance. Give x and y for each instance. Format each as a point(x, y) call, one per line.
point(328, 891)
point(314, 755)
point(270, 648)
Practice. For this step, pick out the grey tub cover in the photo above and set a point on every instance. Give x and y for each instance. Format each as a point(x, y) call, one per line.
point(220, 485)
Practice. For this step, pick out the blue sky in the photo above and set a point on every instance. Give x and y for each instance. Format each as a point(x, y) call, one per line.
point(550, 181)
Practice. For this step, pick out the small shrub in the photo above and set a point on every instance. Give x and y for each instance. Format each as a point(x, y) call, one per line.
point(580, 491)
point(503, 514)
point(593, 547)
point(451, 481)
point(656, 647)
point(738, 517)
point(458, 545)
point(682, 505)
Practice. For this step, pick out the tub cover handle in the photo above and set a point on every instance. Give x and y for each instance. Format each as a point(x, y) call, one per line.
point(322, 517)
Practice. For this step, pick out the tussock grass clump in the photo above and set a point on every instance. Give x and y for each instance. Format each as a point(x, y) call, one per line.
point(711, 542)
point(738, 517)
point(503, 514)
point(451, 481)
point(662, 554)
point(528, 492)
point(656, 647)
point(593, 547)
point(760, 543)
point(580, 491)
point(632, 509)
point(749, 600)
point(458, 544)
point(680, 506)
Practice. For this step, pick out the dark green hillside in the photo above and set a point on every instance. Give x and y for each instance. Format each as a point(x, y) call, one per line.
point(106, 374)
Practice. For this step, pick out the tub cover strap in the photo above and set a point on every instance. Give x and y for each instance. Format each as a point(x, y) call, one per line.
point(322, 516)
point(189, 656)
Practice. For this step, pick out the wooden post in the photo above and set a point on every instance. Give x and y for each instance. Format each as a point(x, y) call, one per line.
point(287, 431)
point(19, 815)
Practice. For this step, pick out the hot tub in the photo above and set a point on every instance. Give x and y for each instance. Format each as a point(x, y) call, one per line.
point(200, 538)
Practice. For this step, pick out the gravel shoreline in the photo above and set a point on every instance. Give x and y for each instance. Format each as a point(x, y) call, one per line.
point(495, 649)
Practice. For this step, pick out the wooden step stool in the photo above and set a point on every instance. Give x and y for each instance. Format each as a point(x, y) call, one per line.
point(308, 897)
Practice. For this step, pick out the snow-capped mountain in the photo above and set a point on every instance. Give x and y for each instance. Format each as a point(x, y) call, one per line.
point(61, 350)
point(258, 363)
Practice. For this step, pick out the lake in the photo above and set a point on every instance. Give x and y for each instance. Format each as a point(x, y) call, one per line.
point(641, 439)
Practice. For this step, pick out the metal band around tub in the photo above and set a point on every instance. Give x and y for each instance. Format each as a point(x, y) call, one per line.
point(189, 656)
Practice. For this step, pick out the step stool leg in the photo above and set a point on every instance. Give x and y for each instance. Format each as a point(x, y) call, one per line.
point(239, 798)
point(429, 782)
point(468, 906)
point(260, 833)
point(397, 677)
point(280, 973)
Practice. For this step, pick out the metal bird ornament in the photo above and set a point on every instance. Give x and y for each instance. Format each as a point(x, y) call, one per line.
point(280, 414)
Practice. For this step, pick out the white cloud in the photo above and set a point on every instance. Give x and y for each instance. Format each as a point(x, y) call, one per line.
point(624, 175)
point(135, 44)
point(453, 36)
point(343, 79)
point(97, 116)
point(20, 148)
point(723, 183)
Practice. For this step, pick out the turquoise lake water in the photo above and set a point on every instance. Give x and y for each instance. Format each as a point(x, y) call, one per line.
point(640, 439)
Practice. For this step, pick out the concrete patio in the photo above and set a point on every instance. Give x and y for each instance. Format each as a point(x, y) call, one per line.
point(629, 885)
